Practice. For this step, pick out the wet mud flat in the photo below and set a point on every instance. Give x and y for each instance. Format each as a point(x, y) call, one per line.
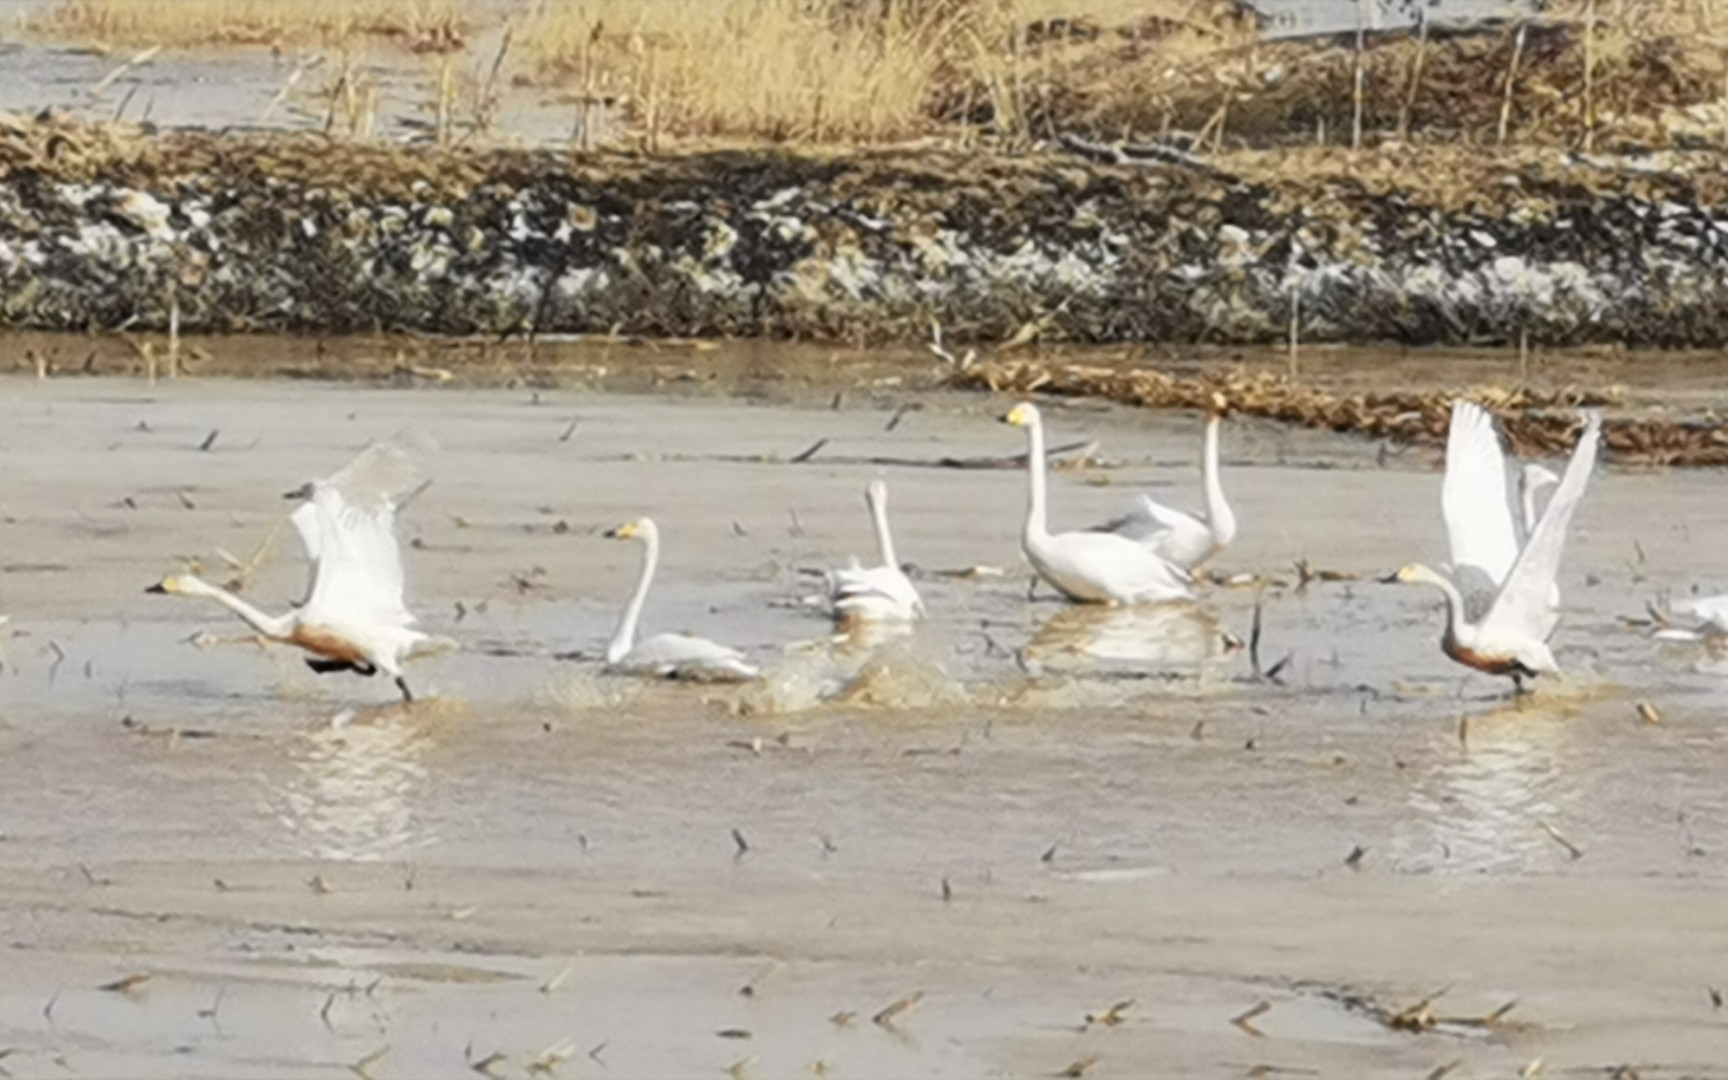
point(937, 857)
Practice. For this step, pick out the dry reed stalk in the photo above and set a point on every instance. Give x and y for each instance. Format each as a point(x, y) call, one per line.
point(1589, 75)
point(1511, 80)
point(1357, 79)
point(441, 133)
point(1415, 75)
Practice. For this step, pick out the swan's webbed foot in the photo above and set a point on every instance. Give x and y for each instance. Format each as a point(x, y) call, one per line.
point(402, 685)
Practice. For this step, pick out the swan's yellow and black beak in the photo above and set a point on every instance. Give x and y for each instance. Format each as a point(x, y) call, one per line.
point(304, 491)
point(158, 588)
point(626, 531)
point(1390, 579)
point(1020, 415)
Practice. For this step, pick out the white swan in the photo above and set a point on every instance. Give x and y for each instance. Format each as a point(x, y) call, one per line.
point(877, 593)
point(1500, 623)
point(673, 656)
point(1176, 536)
point(353, 617)
point(1480, 524)
point(1098, 567)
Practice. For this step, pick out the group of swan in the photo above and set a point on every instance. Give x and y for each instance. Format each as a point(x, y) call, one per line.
point(1502, 601)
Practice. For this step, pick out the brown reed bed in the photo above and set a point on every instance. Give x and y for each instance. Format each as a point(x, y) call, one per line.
point(1591, 74)
point(1537, 422)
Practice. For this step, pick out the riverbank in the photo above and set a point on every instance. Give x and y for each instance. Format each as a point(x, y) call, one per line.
point(104, 228)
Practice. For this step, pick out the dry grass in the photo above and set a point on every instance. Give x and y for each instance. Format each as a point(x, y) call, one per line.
point(852, 72)
point(823, 71)
point(421, 25)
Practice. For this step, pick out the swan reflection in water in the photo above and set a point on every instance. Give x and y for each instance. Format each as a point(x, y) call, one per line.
point(1177, 637)
point(1479, 810)
point(354, 788)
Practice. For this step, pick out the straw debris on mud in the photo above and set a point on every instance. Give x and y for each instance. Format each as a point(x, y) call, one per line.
point(1536, 422)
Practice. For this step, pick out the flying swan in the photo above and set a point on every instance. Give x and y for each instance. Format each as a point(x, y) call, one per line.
point(1095, 567)
point(353, 618)
point(877, 593)
point(672, 656)
point(1502, 602)
point(1178, 537)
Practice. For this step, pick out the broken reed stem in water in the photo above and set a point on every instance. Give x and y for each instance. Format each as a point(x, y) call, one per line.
point(173, 331)
point(1511, 78)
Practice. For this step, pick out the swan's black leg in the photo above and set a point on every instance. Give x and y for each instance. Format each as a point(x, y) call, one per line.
point(330, 667)
point(1518, 687)
point(402, 685)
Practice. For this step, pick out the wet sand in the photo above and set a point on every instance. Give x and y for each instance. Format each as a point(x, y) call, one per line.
point(1023, 822)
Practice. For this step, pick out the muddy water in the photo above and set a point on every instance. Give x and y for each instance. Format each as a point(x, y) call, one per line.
point(1024, 812)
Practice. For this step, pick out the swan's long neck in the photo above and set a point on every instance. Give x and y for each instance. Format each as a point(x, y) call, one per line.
point(884, 541)
point(1037, 509)
point(1456, 628)
point(1218, 514)
point(624, 638)
point(271, 626)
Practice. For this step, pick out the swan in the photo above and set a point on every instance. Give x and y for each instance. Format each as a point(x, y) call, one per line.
point(1095, 567)
point(1179, 537)
point(878, 593)
point(1481, 529)
point(1499, 621)
point(353, 617)
point(673, 656)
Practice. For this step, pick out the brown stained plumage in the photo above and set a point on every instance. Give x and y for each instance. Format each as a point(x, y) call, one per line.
point(326, 643)
point(1492, 665)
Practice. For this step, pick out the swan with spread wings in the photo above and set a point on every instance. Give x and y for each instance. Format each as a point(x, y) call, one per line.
point(353, 617)
point(1502, 599)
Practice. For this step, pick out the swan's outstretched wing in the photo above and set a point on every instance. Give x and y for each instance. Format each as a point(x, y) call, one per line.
point(310, 526)
point(1173, 535)
point(383, 474)
point(1473, 495)
point(1525, 606)
point(1535, 487)
point(357, 570)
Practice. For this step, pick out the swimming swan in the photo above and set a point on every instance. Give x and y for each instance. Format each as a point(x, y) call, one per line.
point(672, 656)
point(353, 617)
point(1176, 536)
point(1096, 567)
point(1501, 624)
point(877, 593)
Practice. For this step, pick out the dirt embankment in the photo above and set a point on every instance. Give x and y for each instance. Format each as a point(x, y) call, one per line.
point(105, 228)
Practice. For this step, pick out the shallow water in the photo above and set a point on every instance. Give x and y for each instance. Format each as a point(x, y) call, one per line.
point(1025, 811)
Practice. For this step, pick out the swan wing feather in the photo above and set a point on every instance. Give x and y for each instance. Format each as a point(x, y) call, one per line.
point(1473, 496)
point(1525, 607)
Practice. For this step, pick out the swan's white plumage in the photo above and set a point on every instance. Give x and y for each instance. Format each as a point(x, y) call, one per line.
point(1098, 567)
point(1184, 539)
point(354, 609)
point(1504, 628)
point(880, 593)
point(673, 656)
point(1473, 495)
